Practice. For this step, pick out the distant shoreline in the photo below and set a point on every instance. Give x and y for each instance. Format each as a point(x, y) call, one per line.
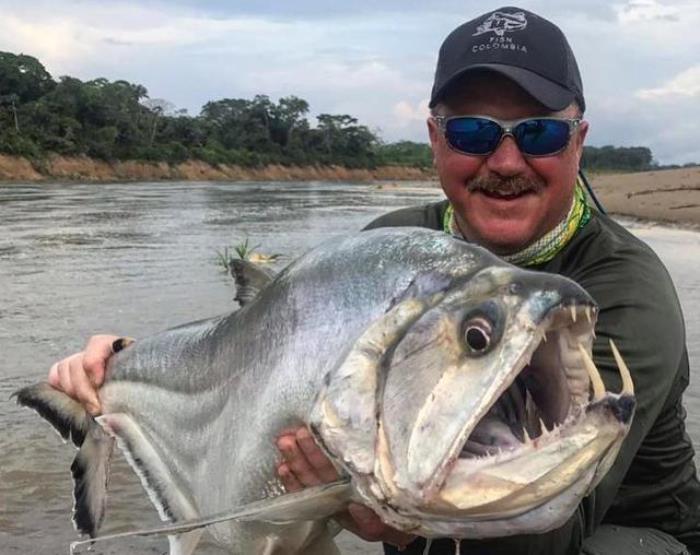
point(664, 196)
point(84, 169)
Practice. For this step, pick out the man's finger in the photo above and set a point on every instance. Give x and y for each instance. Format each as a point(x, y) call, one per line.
point(289, 482)
point(64, 380)
point(84, 390)
point(97, 353)
point(371, 528)
point(296, 461)
point(317, 458)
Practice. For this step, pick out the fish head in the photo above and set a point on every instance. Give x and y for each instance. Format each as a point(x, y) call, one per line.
point(474, 410)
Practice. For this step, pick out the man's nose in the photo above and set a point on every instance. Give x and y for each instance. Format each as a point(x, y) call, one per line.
point(507, 160)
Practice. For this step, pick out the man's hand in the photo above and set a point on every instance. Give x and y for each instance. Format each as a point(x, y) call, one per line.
point(306, 465)
point(81, 374)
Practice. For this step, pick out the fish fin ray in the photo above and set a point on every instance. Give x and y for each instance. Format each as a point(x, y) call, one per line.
point(66, 416)
point(90, 470)
point(158, 481)
point(309, 504)
point(250, 279)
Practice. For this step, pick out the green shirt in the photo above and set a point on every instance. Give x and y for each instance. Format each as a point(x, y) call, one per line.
point(653, 482)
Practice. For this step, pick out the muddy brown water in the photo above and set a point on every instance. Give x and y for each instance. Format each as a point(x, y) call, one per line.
point(133, 259)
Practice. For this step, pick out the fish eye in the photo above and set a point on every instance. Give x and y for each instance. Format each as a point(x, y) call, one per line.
point(477, 335)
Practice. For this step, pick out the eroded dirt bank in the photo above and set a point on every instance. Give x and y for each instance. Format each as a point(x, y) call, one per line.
point(14, 168)
point(665, 196)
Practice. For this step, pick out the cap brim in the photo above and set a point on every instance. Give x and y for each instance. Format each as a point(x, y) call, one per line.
point(549, 94)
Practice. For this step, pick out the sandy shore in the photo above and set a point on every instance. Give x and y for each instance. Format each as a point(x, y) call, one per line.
point(671, 196)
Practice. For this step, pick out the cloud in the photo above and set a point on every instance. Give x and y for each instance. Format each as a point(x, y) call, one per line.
point(635, 11)
point(686, 83)
point(407, 112)
point(669, 128)
point(374, 61)
point(65, 37)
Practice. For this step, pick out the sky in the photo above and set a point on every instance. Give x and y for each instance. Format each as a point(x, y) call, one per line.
point(639, 59)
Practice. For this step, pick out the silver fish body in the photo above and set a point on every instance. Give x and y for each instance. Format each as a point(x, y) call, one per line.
point(420, 364)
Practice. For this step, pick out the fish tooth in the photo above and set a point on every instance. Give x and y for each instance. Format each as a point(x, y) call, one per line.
point(573, 312)
point(588, 314)
point(593, 374)
point(530, 412)
point(543, 427)
point(526, 436)
point(627, 383)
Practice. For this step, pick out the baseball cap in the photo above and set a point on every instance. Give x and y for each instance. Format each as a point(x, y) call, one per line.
point(521, 46)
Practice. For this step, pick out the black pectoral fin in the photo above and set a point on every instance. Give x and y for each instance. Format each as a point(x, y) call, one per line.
point(90, 467)
point(90, 471)
point(67, 416)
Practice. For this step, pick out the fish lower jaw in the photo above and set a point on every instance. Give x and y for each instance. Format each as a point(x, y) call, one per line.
point(611, 411)
point(516, 447)
point(497, 454)
point(517, 478)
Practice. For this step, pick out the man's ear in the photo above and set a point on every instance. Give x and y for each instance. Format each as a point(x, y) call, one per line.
point(433, 132)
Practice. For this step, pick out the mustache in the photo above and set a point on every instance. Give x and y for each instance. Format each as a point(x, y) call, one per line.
point(505, 186)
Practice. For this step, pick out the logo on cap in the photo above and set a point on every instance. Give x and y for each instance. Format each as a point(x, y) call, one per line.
point(502, 23)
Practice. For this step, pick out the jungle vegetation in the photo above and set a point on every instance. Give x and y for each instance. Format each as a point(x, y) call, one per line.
point(116, 120)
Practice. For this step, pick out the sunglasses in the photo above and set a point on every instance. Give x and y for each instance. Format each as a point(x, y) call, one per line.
point(481, 135)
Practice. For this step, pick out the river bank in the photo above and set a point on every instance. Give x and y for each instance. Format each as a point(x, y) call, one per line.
point(81, 168)
point(669, 196)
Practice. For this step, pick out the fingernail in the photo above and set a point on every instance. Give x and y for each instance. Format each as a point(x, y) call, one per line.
point(121, 343)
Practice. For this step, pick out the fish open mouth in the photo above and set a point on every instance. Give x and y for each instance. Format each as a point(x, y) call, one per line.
point(555, 405)
point(551, 391)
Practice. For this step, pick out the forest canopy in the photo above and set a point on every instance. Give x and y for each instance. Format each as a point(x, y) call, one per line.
point(116, 120)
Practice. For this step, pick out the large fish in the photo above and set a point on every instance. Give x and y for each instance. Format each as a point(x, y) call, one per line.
point(455, 392)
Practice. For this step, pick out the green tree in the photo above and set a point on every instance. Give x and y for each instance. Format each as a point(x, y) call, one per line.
point(117, 120)
point(289, 117)
point(23, 76)
point(617, 158)
point(405, 153)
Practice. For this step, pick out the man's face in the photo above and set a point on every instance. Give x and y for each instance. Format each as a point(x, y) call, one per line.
point(539, 190)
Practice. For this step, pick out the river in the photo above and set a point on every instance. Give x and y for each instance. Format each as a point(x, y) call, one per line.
point(133, 259)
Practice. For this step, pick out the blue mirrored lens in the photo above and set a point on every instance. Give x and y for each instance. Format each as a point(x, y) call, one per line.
point(473, 135)
point(539, 137)
point(535, 137)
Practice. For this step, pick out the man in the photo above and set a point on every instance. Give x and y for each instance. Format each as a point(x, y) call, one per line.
point(507, 136)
